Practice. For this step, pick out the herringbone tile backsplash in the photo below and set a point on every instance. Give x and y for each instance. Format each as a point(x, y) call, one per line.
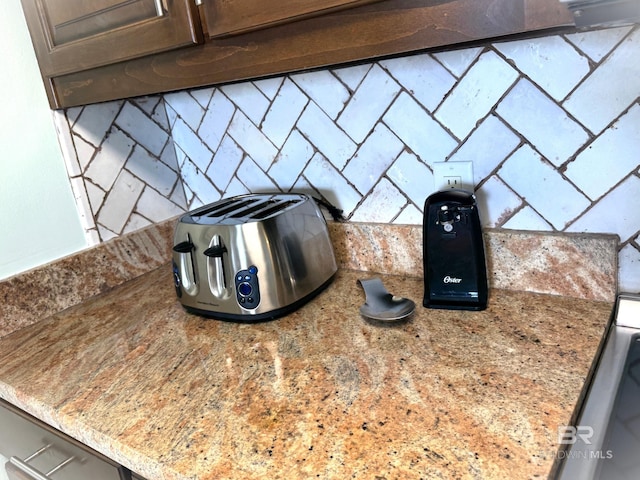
point(551, 125)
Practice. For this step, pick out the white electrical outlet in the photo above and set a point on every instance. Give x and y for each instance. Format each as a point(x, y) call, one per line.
point(448, 175)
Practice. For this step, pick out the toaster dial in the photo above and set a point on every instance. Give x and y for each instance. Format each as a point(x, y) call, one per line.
point(247, 289)
point(176, 280)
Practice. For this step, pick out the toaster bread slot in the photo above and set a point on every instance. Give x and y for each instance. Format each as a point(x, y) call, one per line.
point(225, 208)
point(247, 213)
point(186, 266)
point(215, 267)
point(273, 209)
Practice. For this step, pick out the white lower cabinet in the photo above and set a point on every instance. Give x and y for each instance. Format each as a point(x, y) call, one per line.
point(32, 450)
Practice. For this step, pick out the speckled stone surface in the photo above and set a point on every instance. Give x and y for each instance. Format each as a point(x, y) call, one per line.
point(34, 295)
point(577, 265)
point(320, 393)
point(573, 265)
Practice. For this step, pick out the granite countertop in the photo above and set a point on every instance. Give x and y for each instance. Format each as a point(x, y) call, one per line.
point(319, 393)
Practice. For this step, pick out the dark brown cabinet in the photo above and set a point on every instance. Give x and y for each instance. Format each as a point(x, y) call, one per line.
point(99, 50)
point(76, 35)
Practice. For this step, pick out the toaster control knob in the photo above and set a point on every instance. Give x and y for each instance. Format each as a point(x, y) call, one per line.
point(247, 289)
point(176, 280)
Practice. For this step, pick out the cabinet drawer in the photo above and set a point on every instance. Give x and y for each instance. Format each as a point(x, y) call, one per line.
point(27, 445)
point(76, 35)
point(72, 20)
point(228, 17)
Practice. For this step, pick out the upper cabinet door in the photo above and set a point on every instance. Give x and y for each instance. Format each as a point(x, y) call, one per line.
point(75, 35)
point(229, 17)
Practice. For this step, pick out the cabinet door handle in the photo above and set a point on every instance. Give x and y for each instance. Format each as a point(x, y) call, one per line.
point(32, 472)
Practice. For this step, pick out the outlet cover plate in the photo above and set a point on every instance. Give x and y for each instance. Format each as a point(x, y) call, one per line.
point(448, 175)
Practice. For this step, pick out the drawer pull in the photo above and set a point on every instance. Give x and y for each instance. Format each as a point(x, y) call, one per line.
point(34, 473)
point(60, 465)
point(27, 469)
point(36, 453)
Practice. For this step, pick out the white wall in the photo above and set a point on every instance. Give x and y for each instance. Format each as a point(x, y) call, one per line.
point(38, 217)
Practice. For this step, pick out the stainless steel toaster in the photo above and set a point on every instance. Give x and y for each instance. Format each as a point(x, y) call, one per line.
point(252, 257)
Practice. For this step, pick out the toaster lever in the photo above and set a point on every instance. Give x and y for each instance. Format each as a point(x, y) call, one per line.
point(186, 268)
point(215, 267)
point(215, 251)
point(183, 247)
